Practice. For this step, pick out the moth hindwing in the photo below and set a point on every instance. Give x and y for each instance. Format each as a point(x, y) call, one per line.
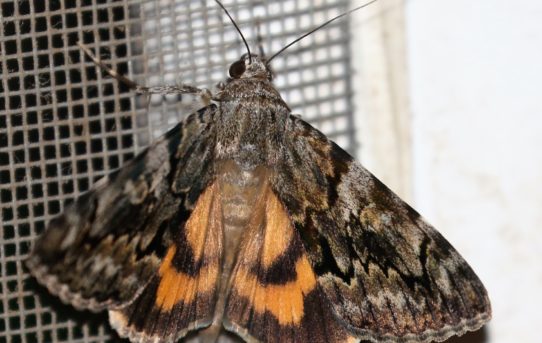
point(246, 220)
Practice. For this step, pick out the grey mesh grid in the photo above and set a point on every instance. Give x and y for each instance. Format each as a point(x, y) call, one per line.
point(64, 123)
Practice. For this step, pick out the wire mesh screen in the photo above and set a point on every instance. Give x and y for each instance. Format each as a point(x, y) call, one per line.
point(64, 123)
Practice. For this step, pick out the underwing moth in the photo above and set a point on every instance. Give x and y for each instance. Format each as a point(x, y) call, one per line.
point(245, 220)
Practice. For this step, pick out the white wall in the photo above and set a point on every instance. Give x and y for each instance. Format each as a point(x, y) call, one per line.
point(474, 71)
point(476, 93)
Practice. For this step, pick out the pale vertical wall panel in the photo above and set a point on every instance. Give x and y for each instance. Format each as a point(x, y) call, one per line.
point(476, 80)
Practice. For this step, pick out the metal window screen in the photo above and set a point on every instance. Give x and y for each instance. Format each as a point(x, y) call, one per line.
point(64, 123)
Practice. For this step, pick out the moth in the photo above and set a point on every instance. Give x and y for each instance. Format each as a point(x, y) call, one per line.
point(244, 219)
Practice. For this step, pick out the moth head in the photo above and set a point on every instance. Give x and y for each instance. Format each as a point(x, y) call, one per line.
point(250, 66)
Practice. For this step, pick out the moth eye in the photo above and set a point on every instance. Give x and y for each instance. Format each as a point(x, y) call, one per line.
point(237, 69)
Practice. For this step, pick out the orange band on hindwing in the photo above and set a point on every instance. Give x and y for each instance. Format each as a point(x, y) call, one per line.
point(271, 248)
point(274, 294)
point(202, 231)
point(278, 231)
point(284, 302)
point(187, 287)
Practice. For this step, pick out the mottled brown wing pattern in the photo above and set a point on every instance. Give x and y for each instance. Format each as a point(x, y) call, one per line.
point(107, 246)
point(274, 294)
point(385, 272)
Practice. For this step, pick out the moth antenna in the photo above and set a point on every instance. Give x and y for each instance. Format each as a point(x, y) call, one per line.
point(238, 30)
point(319, 27)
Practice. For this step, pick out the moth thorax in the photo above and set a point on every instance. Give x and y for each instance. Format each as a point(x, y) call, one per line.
point(251, 123)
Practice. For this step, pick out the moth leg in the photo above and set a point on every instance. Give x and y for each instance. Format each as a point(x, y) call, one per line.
point(204, 93)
